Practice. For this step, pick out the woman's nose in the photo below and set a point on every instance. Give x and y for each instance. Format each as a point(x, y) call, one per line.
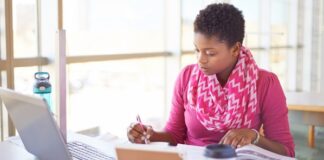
point(202, 58)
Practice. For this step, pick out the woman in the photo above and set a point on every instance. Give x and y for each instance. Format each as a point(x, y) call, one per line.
point(225, 97)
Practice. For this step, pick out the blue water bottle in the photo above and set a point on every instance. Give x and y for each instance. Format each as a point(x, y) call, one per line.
point(43, 87)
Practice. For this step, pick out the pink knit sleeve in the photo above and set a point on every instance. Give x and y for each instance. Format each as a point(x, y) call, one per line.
point(274, 113)
point(176, 123)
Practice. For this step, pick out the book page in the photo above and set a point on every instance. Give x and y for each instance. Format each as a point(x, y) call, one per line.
point(190, 152)
point(255, 152)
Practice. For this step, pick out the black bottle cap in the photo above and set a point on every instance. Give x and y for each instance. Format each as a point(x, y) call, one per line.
point(219, 151)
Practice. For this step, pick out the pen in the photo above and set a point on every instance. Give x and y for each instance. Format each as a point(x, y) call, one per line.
point(138, 118)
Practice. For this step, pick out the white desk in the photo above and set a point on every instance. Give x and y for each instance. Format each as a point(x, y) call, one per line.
point(14, 151)
point(13, 148)
point(10, 151)
point(309, 108)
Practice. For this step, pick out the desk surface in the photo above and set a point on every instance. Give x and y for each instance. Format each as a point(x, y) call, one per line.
point(305, 101)
point(10, 151)
point(13, 149)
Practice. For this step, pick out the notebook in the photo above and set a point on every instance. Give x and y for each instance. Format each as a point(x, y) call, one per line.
point(153, 151)
point(39, 131)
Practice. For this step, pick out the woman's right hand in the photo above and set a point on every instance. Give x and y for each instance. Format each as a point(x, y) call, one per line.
point(138, 133)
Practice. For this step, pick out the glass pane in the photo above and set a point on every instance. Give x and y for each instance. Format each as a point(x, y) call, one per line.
point(190, 9)
point(109, 94)
point(5, 127)
point(250, 10)
point(24, 79)
point(2, 31)
point(3, 79)
point(3, 112)
point(279, 37)
point(278, 64)
point(108, 27)
point(187, 59)
point(25, 28)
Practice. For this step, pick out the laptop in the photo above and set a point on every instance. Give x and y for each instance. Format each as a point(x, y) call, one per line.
point(39, 131)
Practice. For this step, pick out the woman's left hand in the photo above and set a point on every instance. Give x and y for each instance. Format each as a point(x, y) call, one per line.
point(238, 137)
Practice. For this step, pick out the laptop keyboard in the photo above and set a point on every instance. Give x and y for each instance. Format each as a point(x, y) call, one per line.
point(82, 151)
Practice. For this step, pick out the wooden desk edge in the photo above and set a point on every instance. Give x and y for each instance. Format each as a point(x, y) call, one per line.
point(311, 128)
point(305, 108)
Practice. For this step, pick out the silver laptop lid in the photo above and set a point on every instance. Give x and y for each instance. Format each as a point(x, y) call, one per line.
point(35, 125)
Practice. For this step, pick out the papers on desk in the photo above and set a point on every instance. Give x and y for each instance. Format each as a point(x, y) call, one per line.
point(255, 152)
point(247, 152)
point(190, 152)
point(10, 151)
point(16, 141)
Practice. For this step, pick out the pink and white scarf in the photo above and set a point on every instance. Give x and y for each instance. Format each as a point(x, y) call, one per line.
point(232, 106)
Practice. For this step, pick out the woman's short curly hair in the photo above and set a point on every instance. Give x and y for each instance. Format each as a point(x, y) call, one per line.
point(221, 20)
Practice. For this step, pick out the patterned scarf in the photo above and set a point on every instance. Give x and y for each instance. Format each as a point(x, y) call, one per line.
point(232, 106)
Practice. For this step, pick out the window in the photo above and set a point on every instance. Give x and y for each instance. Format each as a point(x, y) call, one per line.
point(109, 94)
point(24, 79)
point(251, 10)
point(112, 27)
point(25, 28)
point(2, 31)
point(100, 93)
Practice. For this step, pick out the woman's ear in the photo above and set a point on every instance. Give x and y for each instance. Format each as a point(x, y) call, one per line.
point(236, 49)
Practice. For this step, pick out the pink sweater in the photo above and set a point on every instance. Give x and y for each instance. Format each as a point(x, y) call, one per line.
point(272, 112)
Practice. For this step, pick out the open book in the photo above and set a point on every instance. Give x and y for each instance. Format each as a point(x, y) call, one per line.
point(247, 152)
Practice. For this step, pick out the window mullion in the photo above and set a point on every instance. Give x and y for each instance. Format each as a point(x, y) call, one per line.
point(9, 54)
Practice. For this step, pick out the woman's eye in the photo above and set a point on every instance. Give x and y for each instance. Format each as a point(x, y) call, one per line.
point(210, 53)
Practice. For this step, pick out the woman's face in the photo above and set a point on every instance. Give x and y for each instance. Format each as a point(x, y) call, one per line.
point(215, 56)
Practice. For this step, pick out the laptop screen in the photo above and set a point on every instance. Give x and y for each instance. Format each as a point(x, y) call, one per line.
point(35, 125)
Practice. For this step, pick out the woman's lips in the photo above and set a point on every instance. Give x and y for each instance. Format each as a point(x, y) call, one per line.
point(204, 69)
